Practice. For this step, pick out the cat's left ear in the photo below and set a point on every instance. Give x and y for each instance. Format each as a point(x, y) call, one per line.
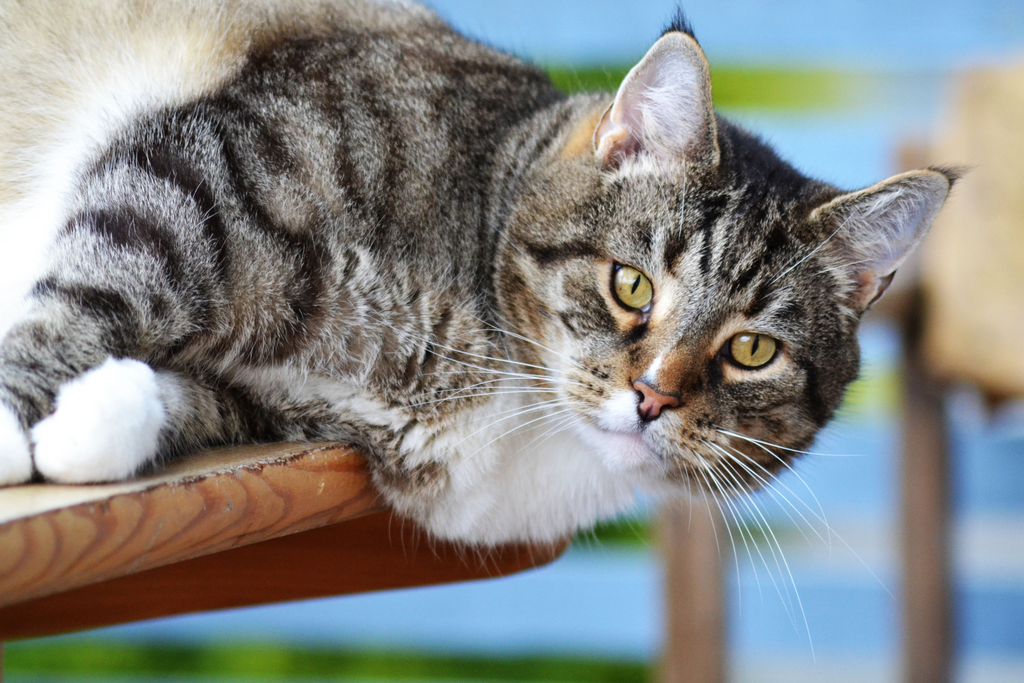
point(877, 228)
point(663, 108)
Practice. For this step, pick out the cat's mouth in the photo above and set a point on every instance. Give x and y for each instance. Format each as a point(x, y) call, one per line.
point(621, 451)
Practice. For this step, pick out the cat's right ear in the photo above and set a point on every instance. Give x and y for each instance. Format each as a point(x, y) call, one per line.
point(877, 228)
point(663, 108)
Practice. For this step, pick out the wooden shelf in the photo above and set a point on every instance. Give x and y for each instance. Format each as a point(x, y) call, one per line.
point(225, 528)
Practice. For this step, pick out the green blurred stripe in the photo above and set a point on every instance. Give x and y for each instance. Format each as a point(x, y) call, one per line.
point(626, 531)
point(871, 395)
point(277, 662)
point(740, 87)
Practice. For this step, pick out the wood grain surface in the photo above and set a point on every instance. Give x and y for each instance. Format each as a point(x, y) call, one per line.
point(56, 538)
point(374, 552)
point(225, 528)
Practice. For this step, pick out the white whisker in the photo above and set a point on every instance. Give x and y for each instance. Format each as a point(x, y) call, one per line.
point(785, 464)
point(746, 502)
point(821, 518)
point(714, 528)
point(539, 345)
point(491, 424)
point(559, 427)
point(499, 392)
point(516, 428)
point(737, 457)
point(809, 255)
point(524, 410)
point(757, 549)
point(784, 448)
point(736, 520)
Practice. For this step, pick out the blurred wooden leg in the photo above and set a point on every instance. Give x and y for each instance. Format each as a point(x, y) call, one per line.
point(695, 605)
point(927, 586)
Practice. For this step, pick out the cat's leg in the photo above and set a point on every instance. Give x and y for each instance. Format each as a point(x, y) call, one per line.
point(121, 416)
point(136, 273)
point(15, 451)
point(110, 422)
point(38, 358)
point(69, 387)
point(107, 423)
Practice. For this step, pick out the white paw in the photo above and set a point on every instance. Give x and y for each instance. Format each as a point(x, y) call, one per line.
point(106, 426)
point(15, 456)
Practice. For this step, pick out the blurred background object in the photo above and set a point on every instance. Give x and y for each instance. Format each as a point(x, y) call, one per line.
point(811, 571)
point(973, 269)
point(964, 326)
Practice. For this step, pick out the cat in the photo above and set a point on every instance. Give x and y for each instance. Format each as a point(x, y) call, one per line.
point(253, 221)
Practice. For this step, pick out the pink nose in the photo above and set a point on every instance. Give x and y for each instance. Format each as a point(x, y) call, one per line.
point(652, 402)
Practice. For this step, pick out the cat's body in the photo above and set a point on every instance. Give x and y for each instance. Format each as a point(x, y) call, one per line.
point(345, 221)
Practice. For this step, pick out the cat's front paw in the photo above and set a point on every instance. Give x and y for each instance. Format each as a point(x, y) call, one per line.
point(15, 455)
point(106, 425)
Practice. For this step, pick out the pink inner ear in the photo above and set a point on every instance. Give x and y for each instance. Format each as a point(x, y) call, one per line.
point(869, 289)
point(880, 226)
point(614, 143)
point(663, 107)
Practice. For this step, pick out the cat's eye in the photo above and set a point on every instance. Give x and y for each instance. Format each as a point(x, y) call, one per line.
point(752, 350)
point(632, 288)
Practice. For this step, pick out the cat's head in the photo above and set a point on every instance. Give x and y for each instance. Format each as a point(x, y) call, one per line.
point(697, 296)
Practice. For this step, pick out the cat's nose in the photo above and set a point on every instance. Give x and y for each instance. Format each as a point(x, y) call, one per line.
point(652, 401)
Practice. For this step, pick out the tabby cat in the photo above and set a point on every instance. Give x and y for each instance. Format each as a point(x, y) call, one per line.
point(251, 221)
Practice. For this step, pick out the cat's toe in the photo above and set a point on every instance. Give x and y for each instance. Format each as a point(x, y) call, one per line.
point(15, 455)
point(106, 425)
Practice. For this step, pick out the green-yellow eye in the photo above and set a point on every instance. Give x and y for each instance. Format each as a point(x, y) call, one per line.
point(632, 288)
point(752, 350)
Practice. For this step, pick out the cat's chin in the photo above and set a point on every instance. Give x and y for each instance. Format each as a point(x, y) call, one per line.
point(623, 452)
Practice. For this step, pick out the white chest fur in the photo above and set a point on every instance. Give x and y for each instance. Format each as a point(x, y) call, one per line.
point(529, 477)
point(517, 469)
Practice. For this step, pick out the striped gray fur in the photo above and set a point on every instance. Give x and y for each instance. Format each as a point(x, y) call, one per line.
point(363, 230)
